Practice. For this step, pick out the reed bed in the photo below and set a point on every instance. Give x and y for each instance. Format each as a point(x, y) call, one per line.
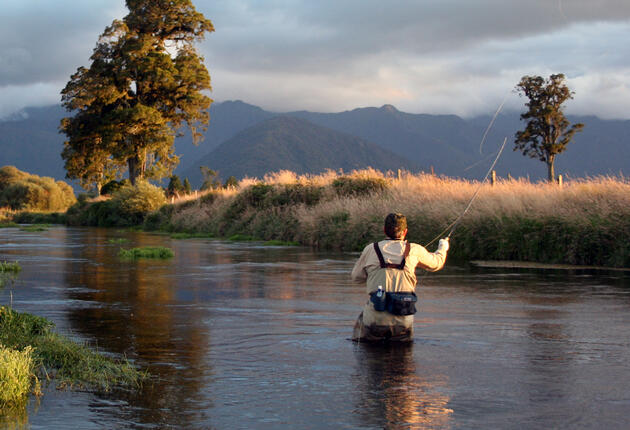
point(586, 221)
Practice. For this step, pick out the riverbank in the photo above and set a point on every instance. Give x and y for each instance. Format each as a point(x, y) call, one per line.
point(584, 222)
point(30, 352)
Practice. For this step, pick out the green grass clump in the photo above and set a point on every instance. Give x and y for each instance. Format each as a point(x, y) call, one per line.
point(16, 375)
point(280, 243)
point(191, 236)
point(6, 267)
point(241, 238)
point(8, 224)
point(158, 252)
point(54, 355)
point(35, 227)
point(118, 240)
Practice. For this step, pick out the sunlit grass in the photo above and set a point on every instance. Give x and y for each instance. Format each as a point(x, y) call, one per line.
point(16, 375)
point(585, 221)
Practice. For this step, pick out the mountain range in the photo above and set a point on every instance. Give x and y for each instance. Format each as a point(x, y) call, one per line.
point(245, 140)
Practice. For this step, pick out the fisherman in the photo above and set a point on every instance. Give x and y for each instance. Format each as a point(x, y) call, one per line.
point(388, 268)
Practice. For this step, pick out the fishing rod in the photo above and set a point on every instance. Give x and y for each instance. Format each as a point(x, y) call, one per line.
point(452, 226)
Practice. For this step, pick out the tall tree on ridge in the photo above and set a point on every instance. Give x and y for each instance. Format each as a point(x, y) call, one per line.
point(145, 85)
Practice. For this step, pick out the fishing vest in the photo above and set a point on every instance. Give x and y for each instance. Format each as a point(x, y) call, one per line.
point(394, 302)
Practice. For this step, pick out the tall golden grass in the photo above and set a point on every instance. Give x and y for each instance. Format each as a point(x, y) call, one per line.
point(585, 221)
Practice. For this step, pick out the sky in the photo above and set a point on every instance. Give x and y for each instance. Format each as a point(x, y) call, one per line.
point(460, 57)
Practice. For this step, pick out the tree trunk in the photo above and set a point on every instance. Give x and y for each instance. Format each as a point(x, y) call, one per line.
point(551, 177)
point(133, 164)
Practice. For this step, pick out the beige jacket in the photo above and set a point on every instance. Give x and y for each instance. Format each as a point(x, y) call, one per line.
point(368, 269)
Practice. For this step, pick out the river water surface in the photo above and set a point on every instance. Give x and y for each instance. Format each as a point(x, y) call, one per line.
point(246, 336)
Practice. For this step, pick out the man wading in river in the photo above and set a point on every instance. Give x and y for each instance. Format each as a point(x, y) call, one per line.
point(388, 268)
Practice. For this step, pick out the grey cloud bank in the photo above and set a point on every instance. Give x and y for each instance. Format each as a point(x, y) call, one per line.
point(457, 56)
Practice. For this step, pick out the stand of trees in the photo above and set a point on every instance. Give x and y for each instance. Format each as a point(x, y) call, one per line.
point(145, 84)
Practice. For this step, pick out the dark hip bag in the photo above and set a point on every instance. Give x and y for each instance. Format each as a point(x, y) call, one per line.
point(399, 304)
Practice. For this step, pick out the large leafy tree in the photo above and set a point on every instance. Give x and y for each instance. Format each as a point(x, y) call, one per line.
point(144, 87)
point(547, 132)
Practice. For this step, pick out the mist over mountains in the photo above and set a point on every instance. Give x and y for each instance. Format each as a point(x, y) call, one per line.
point(245, 140)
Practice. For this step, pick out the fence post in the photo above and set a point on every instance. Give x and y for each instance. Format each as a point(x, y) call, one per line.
point(560, 180)
point(493, 178)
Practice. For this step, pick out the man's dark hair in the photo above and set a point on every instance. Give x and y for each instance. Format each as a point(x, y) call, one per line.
point(395, 225)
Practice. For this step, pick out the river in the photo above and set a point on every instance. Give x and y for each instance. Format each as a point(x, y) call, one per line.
point(247, 336)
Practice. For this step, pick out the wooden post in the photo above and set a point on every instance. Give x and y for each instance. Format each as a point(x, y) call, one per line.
point(432, 171)
point(509, 177)
point(399, 174)
point(493, 178)
point(560, 180)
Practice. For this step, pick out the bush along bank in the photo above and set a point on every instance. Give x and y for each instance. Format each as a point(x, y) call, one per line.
point(585, 222)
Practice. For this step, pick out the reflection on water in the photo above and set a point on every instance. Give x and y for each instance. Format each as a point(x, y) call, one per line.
point(248, 336)
point(394, 388)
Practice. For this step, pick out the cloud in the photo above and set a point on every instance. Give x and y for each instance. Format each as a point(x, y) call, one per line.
point(45, 41)
point(433, 56)
point(17, 97)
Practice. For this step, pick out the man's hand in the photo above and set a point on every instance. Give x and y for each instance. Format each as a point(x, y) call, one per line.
point(443, 245)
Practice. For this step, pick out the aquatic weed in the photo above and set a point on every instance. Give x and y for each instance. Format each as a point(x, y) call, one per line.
point(6, 267)
point(118, 240)
point(35, 227)
point(157, 252)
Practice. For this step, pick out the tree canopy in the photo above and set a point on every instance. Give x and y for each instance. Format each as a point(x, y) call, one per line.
point(547, 132)
point(145, 85)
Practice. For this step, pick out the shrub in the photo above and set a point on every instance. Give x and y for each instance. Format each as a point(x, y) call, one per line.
point(128, 207)
point(139, 199)
point(358, 186)
point(23, 191)
point(112, 186)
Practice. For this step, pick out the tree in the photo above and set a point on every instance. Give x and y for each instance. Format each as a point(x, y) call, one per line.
point(145, 85)
point(175, 186)
point(547, 132)
point(187, 187)
point(210, 178)
point(231, 182)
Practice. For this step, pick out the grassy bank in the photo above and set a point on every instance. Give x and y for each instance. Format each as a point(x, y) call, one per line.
point(584, 222)
point(31, 351)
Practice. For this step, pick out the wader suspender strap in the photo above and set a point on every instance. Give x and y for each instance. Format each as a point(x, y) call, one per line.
point(384, 265)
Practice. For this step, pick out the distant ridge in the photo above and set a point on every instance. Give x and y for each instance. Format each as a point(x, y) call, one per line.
point(451, 145)
point(289, 143)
